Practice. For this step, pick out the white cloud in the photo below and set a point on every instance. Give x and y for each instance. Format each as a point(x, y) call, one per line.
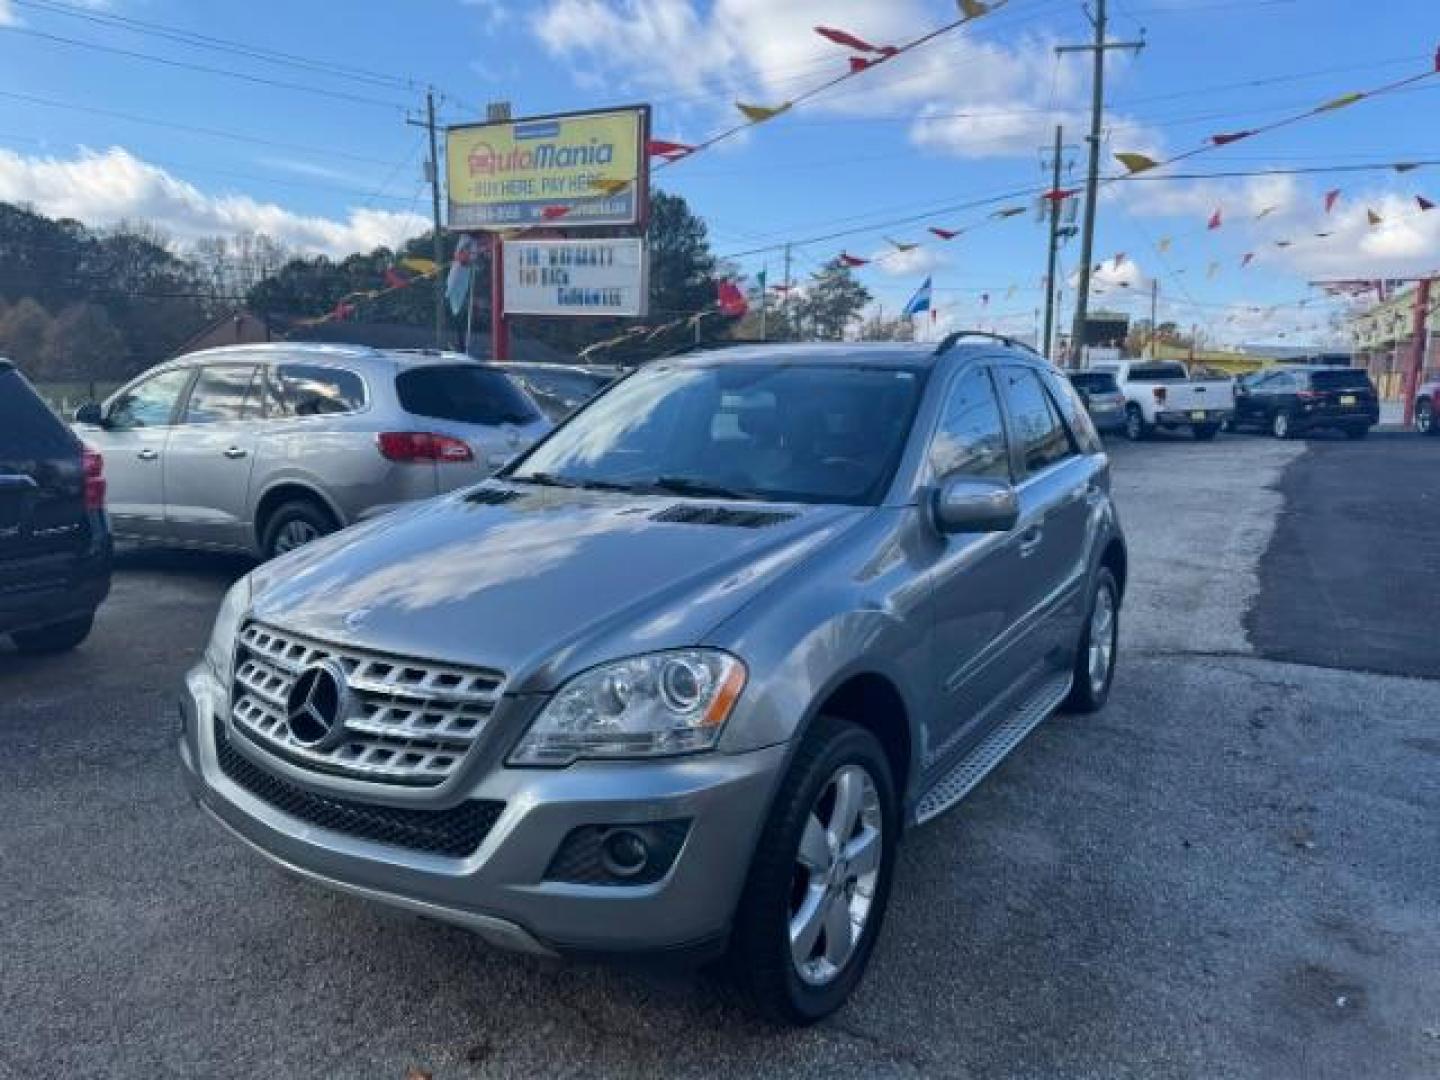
point(921, 260)
point(103, 187)
point(7, 14)
point(694, 59)
point(494, 14)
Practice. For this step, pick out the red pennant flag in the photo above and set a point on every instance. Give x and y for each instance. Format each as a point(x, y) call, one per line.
point(730, 299)
point(852, 260)
point(666, 149)
point(395, 279)
point(1331, 198)
point(845, 38)
point(1234, 136)
point(1425, 204)
point(859, 64)
point(1215, 219)
point(1060, 194)
point(550, 213)
point(945, 234)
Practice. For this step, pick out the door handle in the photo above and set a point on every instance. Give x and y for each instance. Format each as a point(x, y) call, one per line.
point(236, 452)
point(147, 454)
point(1030, 541)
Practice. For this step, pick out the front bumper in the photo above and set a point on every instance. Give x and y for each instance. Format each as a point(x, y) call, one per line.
point(500, 889)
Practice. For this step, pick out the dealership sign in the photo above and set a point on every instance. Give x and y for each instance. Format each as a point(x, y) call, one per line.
point(577, 169)
point(576, 277)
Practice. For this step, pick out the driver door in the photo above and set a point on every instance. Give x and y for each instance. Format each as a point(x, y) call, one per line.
point(133, 437)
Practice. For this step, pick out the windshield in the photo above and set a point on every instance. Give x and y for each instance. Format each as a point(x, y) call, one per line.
point(468, 394)
point(787, 432)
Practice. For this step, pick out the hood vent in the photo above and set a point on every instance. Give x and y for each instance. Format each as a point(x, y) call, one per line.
point(685, 514)
point(488, 496)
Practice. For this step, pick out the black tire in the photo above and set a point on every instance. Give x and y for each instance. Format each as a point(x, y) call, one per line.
point(1086, 694)
point(1205, 432)
point(55, 638)
point(1356, 431)
point(1136, 429)
point(760, 958)
point(289, 525)
point(1426, 422)
point(1281, 425)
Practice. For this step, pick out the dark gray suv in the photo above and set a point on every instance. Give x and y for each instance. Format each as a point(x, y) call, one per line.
point(676, 680)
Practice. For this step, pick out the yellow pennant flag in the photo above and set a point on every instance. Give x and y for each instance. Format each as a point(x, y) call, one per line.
point(420, 266)
point(609, 187)
point(1374, 218)
point(1010, 211)
point(757, 114)
point(973, 9)
point(1164, 244)
point(898, 246)
point(1339, 102)
point(1136, 163)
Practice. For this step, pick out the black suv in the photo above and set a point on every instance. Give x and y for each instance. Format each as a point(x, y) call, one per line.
point(1293, 400)
point(55, 548)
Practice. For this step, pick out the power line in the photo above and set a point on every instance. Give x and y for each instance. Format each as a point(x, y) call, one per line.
point(207, 69)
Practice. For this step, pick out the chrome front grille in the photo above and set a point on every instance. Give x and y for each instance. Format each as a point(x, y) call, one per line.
point(410, 721)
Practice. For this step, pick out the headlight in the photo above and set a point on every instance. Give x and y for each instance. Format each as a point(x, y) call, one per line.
point(220, 652)
point(647, 706)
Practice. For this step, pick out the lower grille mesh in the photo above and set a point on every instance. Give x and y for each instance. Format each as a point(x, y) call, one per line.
point(455, 832)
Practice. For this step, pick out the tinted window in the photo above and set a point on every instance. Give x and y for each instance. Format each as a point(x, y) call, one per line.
point(825, 433)
point(1038, 429)
point(1341, 379)
point(310, 390)
point(222, 393)
point(970, 439)
point(573, 386)
point(1072, 408)
point(1095, 382)
point(1157, 373)
point(150, 403)
point(27, 426)
point(469, 394)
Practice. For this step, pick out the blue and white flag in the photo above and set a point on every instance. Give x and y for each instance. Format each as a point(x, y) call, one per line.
point(920, 301)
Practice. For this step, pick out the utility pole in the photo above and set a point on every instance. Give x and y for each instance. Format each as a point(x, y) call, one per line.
point(1054, 243)
point(785, 296)
point(432, 173)
point(764, 300)
point(1092, 177)
point(1154, 308)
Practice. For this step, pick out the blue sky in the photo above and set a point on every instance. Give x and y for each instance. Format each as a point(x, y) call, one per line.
point(323, 171)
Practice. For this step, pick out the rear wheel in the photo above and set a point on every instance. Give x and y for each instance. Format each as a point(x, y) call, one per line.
point(1099, 647)
point(1280, 425)
point(1206, 432)
point(292, 525)
point(1425, 419)
point(820, 879)
point(1136, 428)
point(57, 637)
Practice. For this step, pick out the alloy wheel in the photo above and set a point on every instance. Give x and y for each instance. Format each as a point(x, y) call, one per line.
point(837, 869)
point(1103, 632)
point(1425, 418)
point(295, 534)
point(1281, 425)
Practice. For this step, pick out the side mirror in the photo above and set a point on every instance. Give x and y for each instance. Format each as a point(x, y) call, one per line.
point(967, 504)
point(90, 414)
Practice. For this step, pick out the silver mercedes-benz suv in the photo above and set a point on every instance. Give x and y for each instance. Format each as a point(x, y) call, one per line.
point(262, 448)
point(675, 681)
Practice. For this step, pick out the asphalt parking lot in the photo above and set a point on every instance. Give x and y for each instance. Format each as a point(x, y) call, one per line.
point(1231, 871)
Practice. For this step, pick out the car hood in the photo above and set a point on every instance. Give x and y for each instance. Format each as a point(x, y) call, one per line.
point(538, 587)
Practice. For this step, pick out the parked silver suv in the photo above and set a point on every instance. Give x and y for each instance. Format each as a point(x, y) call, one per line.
point(677, 679)
point(263, 448)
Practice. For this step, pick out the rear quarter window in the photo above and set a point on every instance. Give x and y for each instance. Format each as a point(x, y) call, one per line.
point(467, 395)
point(312, 390)
point(1342, 379)
point(27, 426)
point(1157, 373)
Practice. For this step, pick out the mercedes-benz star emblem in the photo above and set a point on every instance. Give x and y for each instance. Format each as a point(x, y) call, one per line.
point(316, 706)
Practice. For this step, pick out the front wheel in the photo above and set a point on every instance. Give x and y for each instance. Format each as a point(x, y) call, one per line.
point(820, 879)
point(1425, 419)
point(1280, 425)
point(1099, 646)
point(293, 525)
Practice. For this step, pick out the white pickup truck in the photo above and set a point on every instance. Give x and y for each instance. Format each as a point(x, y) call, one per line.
point(1161, 394)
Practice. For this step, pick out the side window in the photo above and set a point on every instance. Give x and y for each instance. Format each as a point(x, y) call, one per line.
point(1039, 431)
point(1072, 408)
point(311, 390)
point(222, 393)
point(150, 403)
point(970, 438)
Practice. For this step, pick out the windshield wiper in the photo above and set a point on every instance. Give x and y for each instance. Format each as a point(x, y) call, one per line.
point(554, 480)
point(683, 485)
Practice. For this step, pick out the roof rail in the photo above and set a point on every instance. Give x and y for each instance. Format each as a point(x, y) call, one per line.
point(950, 340)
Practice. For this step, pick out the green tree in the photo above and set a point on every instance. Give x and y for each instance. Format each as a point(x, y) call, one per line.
point(83, 343)
point(832, 301)
point(23, 333)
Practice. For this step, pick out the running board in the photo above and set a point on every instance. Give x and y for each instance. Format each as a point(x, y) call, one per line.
point(991, 750)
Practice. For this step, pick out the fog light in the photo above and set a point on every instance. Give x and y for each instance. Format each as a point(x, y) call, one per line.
point(624, 853)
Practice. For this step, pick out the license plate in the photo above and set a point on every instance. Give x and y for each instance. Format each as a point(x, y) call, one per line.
point(1347, 399)
point(1198, 414)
